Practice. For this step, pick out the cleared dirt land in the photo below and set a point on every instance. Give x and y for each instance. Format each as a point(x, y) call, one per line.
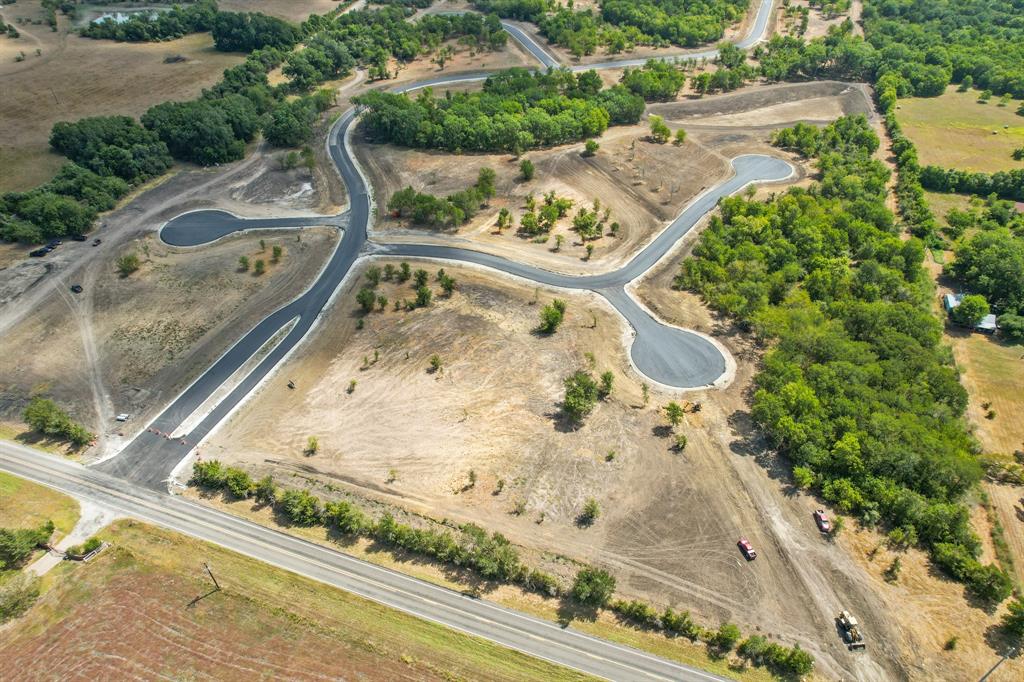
point(405, 436)
point(955, 130)
point(130, 344)
point(142, 609)
point(77, 77)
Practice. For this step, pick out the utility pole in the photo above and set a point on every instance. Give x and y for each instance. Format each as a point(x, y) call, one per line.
point(215, 583)
point(1010, 652)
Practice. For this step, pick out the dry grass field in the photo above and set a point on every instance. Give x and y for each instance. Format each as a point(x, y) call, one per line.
point(77, 77)
point(130, 344)
point(955, 130)
point(136, 612)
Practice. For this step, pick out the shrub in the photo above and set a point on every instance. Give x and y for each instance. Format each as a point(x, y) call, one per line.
point(725, 637)
point(127, 264)
point(593, 586)
point(527, 170)
point(17, 594)
point(209, 474)
point(300, 507)
point(680, 624)
point(551, 316)
point(639, 612)
point(238, 482)
point(580, 396)
point(44, 416)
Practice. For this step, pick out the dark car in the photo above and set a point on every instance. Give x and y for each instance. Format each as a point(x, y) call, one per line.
point(53, 243)
point(38, 253)
point(747, 549)
point(96, 242)
point(77, 288)
point(78, 237)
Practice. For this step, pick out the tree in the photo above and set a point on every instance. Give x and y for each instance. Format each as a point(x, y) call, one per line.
point(443, 56)
point(674, 413)
point(605, 389)
point(260, 267)
point(725, 637)
point(265, 491)
point(366, 298)
point(423, 296)
point(593, 586)
point(581, 394)
point(526, 170)
point(276, 252)
point(971, 310)
point(44, 416)
point(590, 148)
point(238, 482)
point(243, 263)
point(551, 316)
point(448, 284)
point(1013, 620)
point(127, 264)
point(680, 137)
point(485, 182)
point(659, 131)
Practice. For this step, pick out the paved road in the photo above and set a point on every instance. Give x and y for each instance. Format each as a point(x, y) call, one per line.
point(670, 356)
point(533, 636)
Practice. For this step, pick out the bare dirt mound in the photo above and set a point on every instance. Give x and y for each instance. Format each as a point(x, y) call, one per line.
point(772, 105)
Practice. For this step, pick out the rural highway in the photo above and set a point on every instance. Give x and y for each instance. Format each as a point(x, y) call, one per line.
point(533, 636)
point(669, 356)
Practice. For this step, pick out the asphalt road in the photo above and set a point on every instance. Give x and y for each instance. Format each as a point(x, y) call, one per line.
point(532, 636)
point(670, 356)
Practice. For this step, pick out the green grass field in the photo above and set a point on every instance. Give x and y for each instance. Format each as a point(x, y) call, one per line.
point(956, 131)
point(26, 505)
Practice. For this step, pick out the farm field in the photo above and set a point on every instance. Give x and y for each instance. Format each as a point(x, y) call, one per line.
point(143, 608)
point(955, 130)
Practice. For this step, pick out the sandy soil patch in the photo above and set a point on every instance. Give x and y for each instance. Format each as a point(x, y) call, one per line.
point(130, 344)
point(77, 77)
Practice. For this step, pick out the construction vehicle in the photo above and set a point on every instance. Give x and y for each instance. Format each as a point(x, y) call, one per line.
point(851, 631)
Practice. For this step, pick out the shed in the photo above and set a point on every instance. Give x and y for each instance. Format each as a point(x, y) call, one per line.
point(987, 324)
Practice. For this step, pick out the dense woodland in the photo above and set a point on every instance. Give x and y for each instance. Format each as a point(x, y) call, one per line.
point(856, 390)
point(515, 111)
point(111, 154)
point(620, 25)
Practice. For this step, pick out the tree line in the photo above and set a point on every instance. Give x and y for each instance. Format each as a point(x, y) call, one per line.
point(856, 391)
point(492, 557)
point(619, 25)
point(455, 209)
point(516, 110)
point(141, 27)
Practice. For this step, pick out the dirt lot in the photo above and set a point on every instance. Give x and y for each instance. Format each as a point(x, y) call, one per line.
point(136, 341)
point(955, 130)
point(668, 535)
point(143, 609)
point(77, 77)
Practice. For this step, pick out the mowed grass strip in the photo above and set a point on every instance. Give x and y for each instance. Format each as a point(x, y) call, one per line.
point(134, 604)
point(24, 504)
point(956, 131)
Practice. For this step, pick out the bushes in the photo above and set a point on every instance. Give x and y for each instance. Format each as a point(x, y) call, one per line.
point(300, 507)
point(551, 316)
point(427, 209)
point(987, 582)
point(581, 395)
point(17, 594)
point(593, 586)
point(17, 545)
point(44, 416)
point(655, 81)
point(779, 659)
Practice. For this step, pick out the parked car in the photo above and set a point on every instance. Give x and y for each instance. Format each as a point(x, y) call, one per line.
point(748, 549)
point(78, 237)
point(97, 241)
point(53, 244)
point(824, 525)
point(38, 253)
point(76, 288)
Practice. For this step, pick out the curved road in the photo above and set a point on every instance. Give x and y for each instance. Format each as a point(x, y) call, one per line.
point(670, 356)
point(134, 482)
